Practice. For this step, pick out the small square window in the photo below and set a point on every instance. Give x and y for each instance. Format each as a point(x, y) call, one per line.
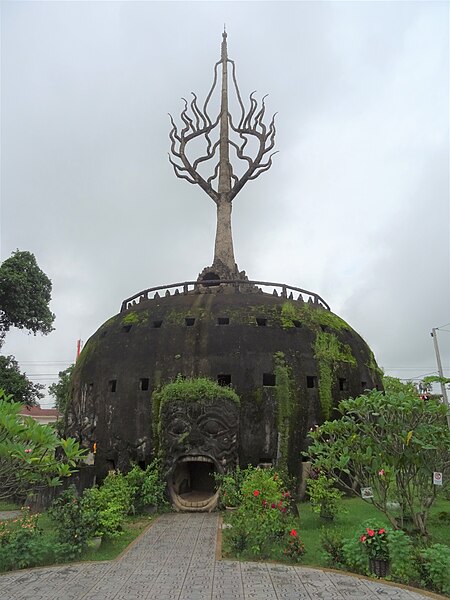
point(269, 379)
point(189, 321)
point(112, 385)
point(144, 384)
point(311, 381)
point(261, 321)
point(157, 324)
point(223, 321)
point(224, 379)
point(343, 384)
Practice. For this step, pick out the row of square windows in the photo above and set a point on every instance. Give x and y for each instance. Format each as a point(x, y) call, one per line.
point(190, 322)
point(224, 379)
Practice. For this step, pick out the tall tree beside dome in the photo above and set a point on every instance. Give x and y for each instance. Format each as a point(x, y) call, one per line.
point(25, 293)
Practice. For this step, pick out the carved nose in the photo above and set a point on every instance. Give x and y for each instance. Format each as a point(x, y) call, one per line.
point(195, 437)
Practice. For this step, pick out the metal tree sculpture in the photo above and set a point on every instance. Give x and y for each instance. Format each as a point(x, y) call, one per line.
point(250, 131)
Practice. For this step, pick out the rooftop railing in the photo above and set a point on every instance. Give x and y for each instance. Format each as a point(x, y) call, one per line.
point(239, 285)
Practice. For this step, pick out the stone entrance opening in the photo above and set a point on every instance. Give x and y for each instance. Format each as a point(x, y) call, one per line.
point(192, 485)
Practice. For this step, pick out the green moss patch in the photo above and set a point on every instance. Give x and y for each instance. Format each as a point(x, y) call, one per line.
point(194, 390)
point(284, 398)
point(135, 318)
point(312, 316)
point(329, 352)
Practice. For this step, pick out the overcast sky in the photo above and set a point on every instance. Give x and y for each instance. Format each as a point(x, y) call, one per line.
point(355, 207)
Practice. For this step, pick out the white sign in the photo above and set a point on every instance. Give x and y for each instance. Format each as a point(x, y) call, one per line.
point(437, 478)
point(366, 493)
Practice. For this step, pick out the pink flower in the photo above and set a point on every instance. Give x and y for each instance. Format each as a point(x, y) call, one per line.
point(363, 538)
point(28, 450)
point(370, 532)
point(381, 531)
point(381, 472)
point(272, 505)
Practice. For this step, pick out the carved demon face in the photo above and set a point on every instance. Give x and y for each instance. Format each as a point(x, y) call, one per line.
point(198, 439)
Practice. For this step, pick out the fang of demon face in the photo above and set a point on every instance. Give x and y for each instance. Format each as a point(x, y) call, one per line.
point(198, 438)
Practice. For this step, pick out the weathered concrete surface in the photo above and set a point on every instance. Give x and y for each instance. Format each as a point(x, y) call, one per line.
point(175, 560)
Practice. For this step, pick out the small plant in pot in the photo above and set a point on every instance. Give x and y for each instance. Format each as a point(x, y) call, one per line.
point(375, 543)
point(325, 499)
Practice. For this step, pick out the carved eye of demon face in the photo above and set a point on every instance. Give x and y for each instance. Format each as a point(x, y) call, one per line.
point(179, 426)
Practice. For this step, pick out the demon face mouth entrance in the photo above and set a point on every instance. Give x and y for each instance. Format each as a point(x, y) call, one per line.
point(192, 485)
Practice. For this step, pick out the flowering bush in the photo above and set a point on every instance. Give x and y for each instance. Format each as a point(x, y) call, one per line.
point(262, 520)
point(19, 541)
point(375, 543)
point(295, 548)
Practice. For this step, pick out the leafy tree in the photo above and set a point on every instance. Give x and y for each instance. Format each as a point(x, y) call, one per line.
point(25, 292)
point(17, 384)
point(393, 384)
point(391, 442)
point(32, 456)
point(61, 390)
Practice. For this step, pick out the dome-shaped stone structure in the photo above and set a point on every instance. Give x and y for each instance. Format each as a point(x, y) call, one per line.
point(289, 361)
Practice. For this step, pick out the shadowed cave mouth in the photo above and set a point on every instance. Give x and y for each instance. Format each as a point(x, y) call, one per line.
point(192, 485)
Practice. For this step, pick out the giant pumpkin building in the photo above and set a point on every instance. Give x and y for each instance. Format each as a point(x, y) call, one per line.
point(282, 360)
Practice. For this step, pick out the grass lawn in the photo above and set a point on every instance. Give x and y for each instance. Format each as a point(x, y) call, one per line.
point(110, 548)
point(310, 525)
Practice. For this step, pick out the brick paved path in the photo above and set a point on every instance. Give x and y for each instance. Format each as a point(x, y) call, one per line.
point(175, 560)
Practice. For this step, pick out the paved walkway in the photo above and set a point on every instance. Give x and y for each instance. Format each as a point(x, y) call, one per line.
point(175, 560)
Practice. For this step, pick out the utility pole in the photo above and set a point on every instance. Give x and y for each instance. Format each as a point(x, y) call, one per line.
point(441, 373)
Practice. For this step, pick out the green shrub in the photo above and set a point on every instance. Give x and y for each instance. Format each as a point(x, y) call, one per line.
point(230, 486)
point(402, 558)
point(75, 523)
point(354, 557)
point(112, 501)
point(434, 565)
point(147, 486)
point(325, 499)
point(332, 543)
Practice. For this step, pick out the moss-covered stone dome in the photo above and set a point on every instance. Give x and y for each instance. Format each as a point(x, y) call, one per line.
point(289, 361)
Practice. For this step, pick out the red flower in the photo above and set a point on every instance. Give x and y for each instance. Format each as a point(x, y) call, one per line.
point(363, 538)
point(272, 505)
point(264, 502)
point(382, 531)
point(256, 493)
point(370, 532)
point(293, 533)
